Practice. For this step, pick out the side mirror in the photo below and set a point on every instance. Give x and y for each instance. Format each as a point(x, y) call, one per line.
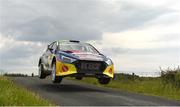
point(49, 48)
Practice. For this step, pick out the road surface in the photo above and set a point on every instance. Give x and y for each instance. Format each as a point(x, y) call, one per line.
point(73, 93)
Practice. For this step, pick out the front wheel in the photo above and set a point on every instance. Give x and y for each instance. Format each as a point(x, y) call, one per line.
point(55, 79)
point(104, 80)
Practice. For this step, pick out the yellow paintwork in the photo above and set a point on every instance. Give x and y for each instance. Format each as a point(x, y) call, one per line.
point(72, 69)
point(106, 71)
point(59, 71)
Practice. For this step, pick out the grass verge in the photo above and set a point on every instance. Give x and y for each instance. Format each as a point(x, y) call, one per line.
point(14, 95)
point(143, 85)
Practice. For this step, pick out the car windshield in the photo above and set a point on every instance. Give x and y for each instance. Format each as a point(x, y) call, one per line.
point(78, 47)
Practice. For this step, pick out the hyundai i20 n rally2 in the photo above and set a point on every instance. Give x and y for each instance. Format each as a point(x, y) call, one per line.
point(70, 58)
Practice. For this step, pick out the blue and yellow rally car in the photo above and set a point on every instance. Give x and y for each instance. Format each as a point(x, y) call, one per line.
point(74, 59)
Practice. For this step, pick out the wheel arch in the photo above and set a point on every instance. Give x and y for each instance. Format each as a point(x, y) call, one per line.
point(40, 61)
point(53, 61)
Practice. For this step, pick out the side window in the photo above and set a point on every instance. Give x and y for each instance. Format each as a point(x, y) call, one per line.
point(54, 46)
point(92, 50)
point(51, 45)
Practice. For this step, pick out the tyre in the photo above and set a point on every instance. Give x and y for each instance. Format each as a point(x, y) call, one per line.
point(104, 80)
point(79, 78)
point(55, 79)
point(41, 72)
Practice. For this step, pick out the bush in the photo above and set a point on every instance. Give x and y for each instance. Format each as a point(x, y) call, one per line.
point(177, 79)
point(15, 75)
point(123, 76)
point(171, 76)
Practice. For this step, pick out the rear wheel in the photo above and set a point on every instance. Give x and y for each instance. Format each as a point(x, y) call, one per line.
point(55, 79)
point(104, 80)
point(41, 72)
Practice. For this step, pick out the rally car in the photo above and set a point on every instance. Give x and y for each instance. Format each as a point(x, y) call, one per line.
point(71, 58)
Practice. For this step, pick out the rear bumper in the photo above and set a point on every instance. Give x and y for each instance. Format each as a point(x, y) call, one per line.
point(72, 71)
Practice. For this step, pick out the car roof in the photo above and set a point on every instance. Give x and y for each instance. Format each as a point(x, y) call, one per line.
point(70, 41)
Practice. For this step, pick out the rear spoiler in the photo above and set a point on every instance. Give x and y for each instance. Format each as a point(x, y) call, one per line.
point(74, 41)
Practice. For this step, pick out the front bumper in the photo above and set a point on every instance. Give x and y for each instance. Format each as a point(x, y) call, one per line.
point(71, 69)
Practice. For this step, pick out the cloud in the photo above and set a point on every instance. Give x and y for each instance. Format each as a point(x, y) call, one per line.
point(145, 51)
point(19, 54)
point(170, 37)
point(135, 34)
point(46, 29)
point(36, 20)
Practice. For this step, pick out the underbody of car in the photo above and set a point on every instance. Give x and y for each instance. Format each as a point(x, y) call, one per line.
point(74, 59)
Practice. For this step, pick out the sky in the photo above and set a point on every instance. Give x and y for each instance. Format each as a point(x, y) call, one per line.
point(138, 35)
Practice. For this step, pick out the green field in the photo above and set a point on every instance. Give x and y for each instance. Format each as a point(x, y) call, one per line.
point(143, 85)
point(14, 95)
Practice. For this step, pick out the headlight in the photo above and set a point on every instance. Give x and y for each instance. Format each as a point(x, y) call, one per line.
point(109, 62)
point(66, 59)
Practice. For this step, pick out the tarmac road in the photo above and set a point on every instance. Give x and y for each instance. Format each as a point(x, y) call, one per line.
point(73, 93)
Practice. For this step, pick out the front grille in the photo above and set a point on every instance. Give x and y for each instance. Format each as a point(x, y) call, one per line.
point(90, 66)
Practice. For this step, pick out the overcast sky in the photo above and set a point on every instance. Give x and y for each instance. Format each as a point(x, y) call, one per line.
point(139, 35)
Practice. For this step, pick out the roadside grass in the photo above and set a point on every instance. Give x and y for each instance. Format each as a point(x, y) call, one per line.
point(14, 95)
point(142, 85)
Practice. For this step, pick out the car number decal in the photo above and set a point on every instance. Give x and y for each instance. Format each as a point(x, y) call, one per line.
point(90, 66)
